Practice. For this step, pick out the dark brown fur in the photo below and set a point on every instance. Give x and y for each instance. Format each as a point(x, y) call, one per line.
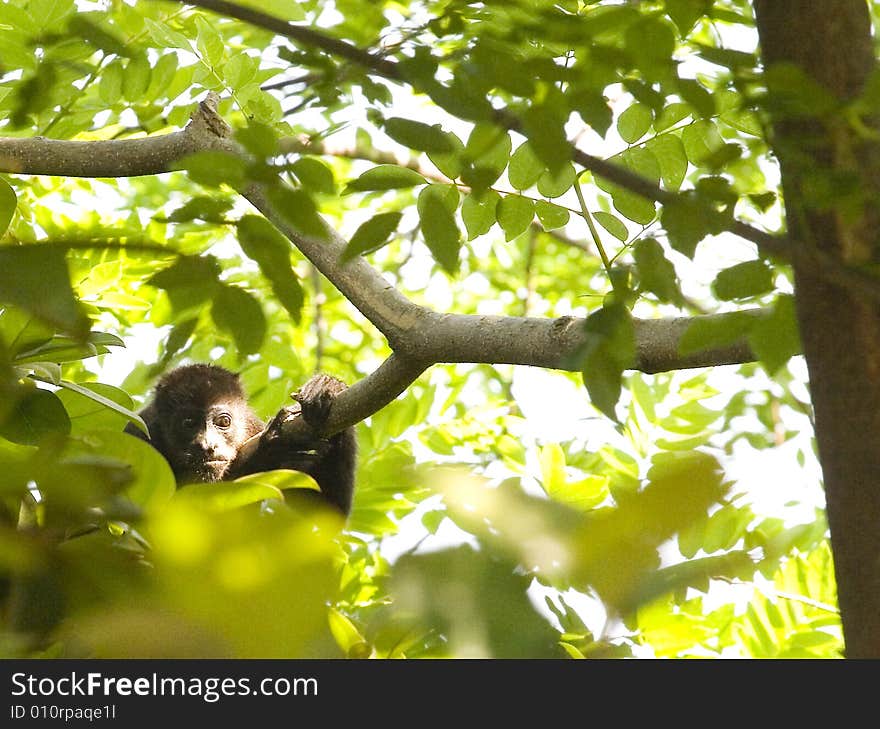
point(199, 419)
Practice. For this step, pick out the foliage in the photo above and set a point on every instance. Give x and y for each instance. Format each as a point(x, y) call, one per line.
point(481, 526)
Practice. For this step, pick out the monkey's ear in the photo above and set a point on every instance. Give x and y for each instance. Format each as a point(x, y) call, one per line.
point(150, 416)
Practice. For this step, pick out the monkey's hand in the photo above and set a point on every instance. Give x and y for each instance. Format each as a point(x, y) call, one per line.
point(315, 398)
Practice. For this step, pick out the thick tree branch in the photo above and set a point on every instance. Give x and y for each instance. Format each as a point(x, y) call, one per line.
point(114, 157)
point(418, 336)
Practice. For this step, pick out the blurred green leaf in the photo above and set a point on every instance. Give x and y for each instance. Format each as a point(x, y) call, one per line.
point(36, 414)
point(94, 406)
point(371, 235)
point(36, 279)
point(612, 224)
point(236, 311)
point(515, 214)
point(634, 122)
point(264, 243)
point(551, 216)
point(525, 167)
point(314, 175)
point(417, 135)
point(8, 203)
point(775, 338)
point(189, 281)
point(214, 169)
point(479, 212)
point(439, 227)
point(744, 280)
point(610, 349)
point(656, 272)
point(385, 177)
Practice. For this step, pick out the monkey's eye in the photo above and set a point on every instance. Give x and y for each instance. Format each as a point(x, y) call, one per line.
point(223, 421)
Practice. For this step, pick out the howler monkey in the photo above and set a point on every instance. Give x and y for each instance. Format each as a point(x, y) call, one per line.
point(199, 419)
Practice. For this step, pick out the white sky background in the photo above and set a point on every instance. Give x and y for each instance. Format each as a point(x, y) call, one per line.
point(555, 408)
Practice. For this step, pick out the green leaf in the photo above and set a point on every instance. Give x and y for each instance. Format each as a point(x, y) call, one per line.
point(656, 272)
point(239, 71)
point(281, 479)
point(166, 37)
point(593, 108)
point(264, 108)
point(556, 184)
point(161, 76)
point(631, 206)
point(264, 243)
point(385, 177)
point(289, 10)
point(610, 350)
point(451, 163)
point(95, 405)
point(671, 156)
point(314, 175)
point(35, 278)
point(35, 415)
point(438, 226)
point(794, 93)
point(776, 338)
point(259, 139)
point(479, 212)
point(514, 215)
point(651, 41)
point(671, 115)
point(552, 461)
point(86, 26)
point(8, 203)
point(612, 224)
point(524, 168)
point(202, 207)
point(552, 216)
point(136, 79)
point(21, 332)
point(687, 222)
point(634, 122)
point(214, 169)
point(299, 210)
point(685, 13)
point(488, 151)
point(60, 349)
point(701, 140)
point(110, 85)
point(709, 332)
point(178, 337)
point(190, 281)
point(153, 483)
point(371, 235)
point(417, 135)
point(544, 125)
point(236, 311)
point(208, 41)
point(225, 496)
point(743, 280)
point(582, 495)
point(697, 96)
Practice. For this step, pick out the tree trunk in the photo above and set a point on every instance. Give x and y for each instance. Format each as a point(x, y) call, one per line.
point(830, 41)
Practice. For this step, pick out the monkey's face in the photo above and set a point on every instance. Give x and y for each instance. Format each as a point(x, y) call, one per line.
point(206, 442)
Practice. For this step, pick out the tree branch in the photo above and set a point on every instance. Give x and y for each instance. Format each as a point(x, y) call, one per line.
point(418, 336)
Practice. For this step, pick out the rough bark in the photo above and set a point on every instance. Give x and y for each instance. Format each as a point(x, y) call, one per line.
point(831, 42)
